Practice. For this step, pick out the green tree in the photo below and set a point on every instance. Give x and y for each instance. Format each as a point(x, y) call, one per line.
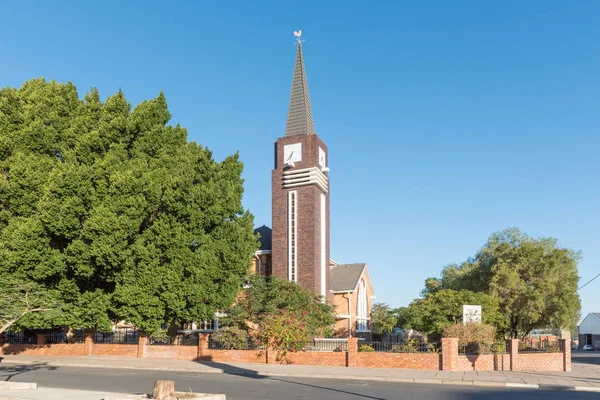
point(440, 309)
point(270, 296)
point(20, 299)
point(534, 281)
point(116, 211)
point(383, 318)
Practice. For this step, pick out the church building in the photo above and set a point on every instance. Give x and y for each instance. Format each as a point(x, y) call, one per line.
point(297, 246)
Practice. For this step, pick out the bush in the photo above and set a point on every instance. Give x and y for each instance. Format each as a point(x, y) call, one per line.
point(365, 348)
point(231, 338)
point(473, 332)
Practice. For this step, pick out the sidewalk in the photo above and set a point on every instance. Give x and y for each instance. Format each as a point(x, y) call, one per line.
point(582, 377)
point(59, 394)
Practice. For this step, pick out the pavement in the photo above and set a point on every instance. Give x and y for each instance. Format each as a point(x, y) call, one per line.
point(59, 394)
point(585, 374)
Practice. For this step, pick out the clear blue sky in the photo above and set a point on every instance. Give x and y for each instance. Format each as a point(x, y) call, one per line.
point(446, 121)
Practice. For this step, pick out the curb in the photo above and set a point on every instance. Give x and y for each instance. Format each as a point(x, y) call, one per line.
point(266, 374)
point(17, 385)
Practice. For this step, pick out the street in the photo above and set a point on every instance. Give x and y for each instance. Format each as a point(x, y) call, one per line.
point(255, 388)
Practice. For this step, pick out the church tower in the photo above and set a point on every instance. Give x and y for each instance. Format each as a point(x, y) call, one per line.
point(300, 195)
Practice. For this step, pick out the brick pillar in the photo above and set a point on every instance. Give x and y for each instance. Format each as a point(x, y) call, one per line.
point(271, 355)
point(449, 354)
point(565, 344)
point(203, 345)
point(88, 342)
point(352, 355)
point(41, 339)
point(142, 341)
point(2, 339)
point(513, 350)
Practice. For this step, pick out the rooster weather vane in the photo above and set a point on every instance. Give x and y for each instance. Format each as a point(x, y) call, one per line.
point(298, 34)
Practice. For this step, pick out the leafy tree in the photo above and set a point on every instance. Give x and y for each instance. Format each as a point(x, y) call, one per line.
point(20, 299)
point(440, 309)
point(383, 318)
point(285, 332)
point(534, 281)
point(114, 210)
point(269, 296)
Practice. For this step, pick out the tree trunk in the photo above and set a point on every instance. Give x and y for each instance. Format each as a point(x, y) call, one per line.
point(163, 390)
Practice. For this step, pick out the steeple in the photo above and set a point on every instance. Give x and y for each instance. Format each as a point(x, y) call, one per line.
point(299, 120)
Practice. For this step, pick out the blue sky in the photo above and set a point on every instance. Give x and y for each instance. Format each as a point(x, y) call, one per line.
point(445, 121)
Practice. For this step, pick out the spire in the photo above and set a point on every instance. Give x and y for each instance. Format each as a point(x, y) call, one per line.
point(299, 120)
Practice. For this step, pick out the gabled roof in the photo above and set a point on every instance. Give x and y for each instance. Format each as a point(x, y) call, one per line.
point(266, 235)
point(344, 277)
point(596, 315)
point(299, 120)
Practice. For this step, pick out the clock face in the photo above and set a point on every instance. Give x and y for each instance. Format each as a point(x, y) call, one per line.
point(322, 161)
point(292, 152)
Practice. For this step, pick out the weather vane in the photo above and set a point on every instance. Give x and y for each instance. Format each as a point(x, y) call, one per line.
point(298, 34)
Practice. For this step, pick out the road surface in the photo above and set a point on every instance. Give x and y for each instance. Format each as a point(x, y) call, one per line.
point(255, 388)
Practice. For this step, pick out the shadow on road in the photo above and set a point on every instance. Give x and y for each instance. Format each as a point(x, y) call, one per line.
point(232, 369)
point(7, 372)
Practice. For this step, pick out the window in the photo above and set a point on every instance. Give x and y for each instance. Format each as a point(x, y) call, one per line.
point(362, 319)
point(292, 236)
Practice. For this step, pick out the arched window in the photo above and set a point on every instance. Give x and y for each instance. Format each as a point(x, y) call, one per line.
point(362, 314)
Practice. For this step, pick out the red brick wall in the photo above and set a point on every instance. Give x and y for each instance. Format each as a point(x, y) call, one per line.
point(250, 356)
point(540, 362)
point(429, 361)
point(126, 350)
point(399, 360)
point(483, 362)
point(171, 352)
point(329, 358)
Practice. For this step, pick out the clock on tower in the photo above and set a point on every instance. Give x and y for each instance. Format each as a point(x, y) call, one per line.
point(300, 195)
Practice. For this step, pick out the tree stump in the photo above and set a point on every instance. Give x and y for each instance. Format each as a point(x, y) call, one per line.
point(163, 390)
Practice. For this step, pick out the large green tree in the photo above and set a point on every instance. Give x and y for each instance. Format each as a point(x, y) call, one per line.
point(533, 281)
point(113, 211)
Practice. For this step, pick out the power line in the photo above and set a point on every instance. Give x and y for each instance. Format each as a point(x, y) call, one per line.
point(588, 282)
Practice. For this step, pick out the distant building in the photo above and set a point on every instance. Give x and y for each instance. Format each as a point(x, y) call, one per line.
point(588, 331)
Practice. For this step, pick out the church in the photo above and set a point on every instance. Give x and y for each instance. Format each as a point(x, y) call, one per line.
point(296, 247)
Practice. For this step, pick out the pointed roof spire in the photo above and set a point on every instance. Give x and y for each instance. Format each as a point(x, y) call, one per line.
point(299, 120)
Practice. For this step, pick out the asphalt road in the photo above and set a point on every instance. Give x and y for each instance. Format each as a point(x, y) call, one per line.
point(586, 357)
point(255, 388)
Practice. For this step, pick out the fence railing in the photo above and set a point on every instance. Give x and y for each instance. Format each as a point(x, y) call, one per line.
point(179, 340)
point(542, 346)
point(483, 348)
point(402, 347)
point(127, 336)
point(240, 345)
point(62, 337)
point(22, 337)
point(327, 345)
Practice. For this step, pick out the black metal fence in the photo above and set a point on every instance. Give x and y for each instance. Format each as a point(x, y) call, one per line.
point(402, 347)
point(123, 336)
point(239, 345)
point(327, 345)
point(179, 340)
point(23, 337)
point(61, 336)
point(539, 346)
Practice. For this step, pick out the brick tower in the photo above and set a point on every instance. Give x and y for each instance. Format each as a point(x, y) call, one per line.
point(300, 195)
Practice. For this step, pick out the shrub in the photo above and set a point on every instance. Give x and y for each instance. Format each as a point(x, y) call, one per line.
point(365, 348)
point(231, 338)
point(285, 332)
point(473, 332)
